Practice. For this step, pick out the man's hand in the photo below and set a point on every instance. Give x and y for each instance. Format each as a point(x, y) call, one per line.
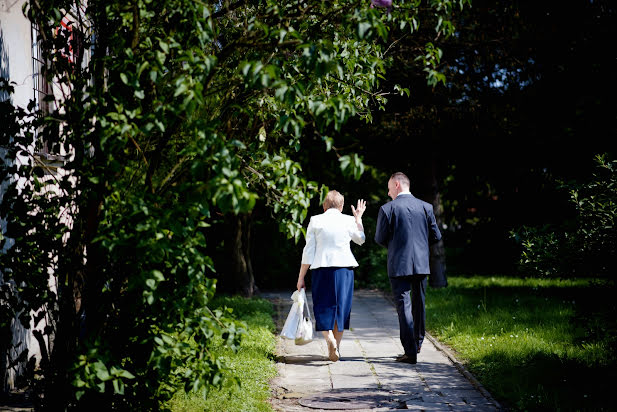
point(358, 211)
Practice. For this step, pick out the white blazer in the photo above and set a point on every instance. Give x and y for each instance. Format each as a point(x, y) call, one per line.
point(327, 240)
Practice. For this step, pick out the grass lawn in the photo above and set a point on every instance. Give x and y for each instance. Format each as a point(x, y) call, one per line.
point(253, 364)
point(535, 344)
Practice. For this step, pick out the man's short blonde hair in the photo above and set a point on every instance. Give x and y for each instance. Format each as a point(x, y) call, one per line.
point(333, 200)
point(402, 179)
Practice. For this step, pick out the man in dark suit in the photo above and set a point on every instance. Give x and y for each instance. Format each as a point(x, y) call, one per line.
point(407, 227)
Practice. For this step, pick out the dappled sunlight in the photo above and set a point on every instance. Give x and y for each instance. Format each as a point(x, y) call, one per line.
point(474, 282)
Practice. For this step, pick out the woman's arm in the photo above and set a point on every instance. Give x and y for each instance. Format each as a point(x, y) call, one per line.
point(358, 237)
point(358, 212)
point(308, 254)
point(303, 269)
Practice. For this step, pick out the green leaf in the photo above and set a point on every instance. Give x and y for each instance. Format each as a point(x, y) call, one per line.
point(164, 46)
point(344, 162)
point(161, 57)
point(363, 27)
point(118, 387)
point(126, 374)
point(182, 87)
point(158, 275)
point(101, 371)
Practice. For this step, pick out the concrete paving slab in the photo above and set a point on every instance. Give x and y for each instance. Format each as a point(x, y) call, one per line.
point(308, 381)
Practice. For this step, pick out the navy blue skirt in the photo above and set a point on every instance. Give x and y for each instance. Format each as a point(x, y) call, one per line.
point(332, 289)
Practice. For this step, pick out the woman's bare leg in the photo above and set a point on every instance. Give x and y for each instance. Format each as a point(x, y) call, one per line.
point(338, 335)
point(332, 345)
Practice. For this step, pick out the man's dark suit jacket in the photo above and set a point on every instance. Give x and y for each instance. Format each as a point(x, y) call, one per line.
point(407, 226)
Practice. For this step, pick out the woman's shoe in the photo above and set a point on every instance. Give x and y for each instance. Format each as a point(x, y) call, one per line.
point(333, 353)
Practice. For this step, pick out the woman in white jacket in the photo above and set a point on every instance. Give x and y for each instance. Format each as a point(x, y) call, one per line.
point(328, 255)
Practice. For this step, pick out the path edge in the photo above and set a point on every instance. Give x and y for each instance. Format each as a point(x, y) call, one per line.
point(450, 354)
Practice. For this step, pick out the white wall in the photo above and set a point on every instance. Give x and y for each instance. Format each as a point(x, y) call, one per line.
point(16, 45)
point(16, 64)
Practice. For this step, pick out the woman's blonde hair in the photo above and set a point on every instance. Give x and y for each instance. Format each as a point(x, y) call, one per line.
point(333, 200)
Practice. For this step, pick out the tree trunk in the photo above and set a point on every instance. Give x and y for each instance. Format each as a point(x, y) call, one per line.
point(429, 190)
point(437, 262)
point(240, 255)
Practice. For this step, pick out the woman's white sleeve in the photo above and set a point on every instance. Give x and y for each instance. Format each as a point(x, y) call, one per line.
point(308, 254)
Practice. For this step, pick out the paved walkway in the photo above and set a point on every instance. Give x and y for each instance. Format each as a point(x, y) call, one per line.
point(367, 377)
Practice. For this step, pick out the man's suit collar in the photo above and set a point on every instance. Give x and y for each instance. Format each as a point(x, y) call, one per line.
point(332, 210)
point(404, 196)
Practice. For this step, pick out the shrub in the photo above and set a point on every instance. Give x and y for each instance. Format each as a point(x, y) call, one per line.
point(586, 245)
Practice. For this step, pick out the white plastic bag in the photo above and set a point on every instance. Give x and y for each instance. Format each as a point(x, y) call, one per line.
point(290, 329)
point(304, 334)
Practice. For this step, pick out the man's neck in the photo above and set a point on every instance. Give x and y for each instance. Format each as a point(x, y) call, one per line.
point(403, 192)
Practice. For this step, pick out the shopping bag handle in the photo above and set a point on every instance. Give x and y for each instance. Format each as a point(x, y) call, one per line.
point(308, 310)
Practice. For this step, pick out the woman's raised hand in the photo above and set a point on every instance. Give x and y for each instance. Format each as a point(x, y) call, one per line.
point(358, 211)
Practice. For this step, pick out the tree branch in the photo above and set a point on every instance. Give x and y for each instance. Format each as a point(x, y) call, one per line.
point(224, 10)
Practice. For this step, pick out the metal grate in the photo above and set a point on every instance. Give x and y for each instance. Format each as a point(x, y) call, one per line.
point(40, 85)
point(79, 28)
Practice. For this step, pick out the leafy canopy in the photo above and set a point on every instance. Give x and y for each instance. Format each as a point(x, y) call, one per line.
point(167, 114)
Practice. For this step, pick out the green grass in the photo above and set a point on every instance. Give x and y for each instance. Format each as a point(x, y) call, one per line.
point(253, 364)
point(535, 344)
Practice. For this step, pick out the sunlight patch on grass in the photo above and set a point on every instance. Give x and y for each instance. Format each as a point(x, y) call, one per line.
point(529, 341)
point(253, 364)
point(508, 281)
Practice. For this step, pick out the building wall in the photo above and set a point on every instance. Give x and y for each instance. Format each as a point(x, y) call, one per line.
point(16, 50)
point(16, 65)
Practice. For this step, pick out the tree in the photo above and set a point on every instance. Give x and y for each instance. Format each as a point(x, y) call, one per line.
point(187, 112)
point(526, 99)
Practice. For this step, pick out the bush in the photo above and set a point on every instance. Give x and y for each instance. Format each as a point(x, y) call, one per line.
point(246, 384)
point(584, 246)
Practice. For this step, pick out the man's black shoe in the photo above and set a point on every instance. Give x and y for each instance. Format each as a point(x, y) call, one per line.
point(406, 359)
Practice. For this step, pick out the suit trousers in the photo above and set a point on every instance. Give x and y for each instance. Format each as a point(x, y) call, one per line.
point(409, 296)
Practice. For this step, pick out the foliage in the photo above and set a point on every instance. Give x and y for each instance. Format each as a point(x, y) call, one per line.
point(252, 364)
point(585, 246)
point(184, 111)
point(514, 114)
point(535, 344)
point(372, 260)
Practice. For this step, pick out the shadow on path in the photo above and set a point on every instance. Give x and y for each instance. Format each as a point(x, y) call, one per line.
point(367, 377)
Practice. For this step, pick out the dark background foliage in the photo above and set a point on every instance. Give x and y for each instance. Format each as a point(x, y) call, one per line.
point(527, 104)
